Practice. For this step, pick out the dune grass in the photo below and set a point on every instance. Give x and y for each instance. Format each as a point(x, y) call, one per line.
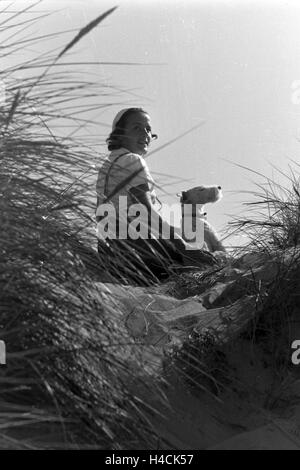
point(74, 377)
point(273, 216)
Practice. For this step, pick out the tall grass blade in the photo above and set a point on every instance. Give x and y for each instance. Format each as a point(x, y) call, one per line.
point(85, 30)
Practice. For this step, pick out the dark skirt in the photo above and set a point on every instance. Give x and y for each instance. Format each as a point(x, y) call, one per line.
point(139, 262)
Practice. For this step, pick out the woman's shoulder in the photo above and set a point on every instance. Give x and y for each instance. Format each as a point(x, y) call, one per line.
point(126, 157)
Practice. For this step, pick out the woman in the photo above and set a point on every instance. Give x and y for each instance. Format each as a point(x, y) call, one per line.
point(124, 176)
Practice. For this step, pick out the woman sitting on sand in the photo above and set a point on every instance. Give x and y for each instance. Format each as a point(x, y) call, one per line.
point(124, 176)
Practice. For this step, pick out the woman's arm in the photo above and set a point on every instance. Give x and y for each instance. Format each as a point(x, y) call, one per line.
point(142, 195)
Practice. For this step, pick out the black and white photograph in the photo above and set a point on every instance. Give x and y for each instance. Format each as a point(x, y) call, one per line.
point(150, 227)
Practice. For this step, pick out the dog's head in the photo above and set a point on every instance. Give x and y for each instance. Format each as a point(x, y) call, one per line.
point(201, 195)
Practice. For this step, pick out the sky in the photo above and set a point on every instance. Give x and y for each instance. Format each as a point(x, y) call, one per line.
point(232, 68)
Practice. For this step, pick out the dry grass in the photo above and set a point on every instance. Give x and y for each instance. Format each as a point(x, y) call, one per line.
point(273, 217)
point(268, 267)
point(74, 378)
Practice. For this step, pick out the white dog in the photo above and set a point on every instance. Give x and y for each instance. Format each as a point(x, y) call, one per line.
point(192, 205)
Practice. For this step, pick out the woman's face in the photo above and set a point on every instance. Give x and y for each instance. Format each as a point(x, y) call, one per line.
point(137, 133)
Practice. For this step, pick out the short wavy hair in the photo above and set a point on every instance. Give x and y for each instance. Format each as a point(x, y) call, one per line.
point(114, 140)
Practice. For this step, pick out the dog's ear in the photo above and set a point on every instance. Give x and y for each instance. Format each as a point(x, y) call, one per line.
point(183, 196)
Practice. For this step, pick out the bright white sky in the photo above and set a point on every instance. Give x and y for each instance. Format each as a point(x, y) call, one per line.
point(229, 64)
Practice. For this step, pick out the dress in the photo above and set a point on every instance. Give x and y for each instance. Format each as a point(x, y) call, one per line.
point(121, 171)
